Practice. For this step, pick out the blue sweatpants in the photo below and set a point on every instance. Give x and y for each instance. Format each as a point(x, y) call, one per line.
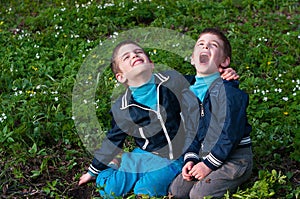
point(141, 172)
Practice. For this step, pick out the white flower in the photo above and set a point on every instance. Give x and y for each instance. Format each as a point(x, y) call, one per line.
point(265, 99)
point(285, 98)
point(56, 99)
point(85, 101)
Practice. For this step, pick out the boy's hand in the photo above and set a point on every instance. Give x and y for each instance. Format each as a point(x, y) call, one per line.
point(186, 169)
point(200, 171)
point(85, 178)
point(228, 74)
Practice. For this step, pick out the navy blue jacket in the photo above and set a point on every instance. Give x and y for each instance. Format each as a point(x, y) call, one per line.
point(160, 131)
point(223, 125)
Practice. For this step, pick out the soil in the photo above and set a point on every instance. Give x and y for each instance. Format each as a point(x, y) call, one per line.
point(59, 179)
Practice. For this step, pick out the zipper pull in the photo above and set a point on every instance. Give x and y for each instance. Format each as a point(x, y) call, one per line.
point(202, 110)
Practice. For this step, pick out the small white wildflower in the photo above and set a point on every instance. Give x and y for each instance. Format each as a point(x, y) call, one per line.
point(279, 90)
point(3, 115)
point(38, 86)
point(263, 92)
point(20, 92)
point(279, 75)
point(1, 120)
point(73, 118)
point(37, 55)
point(288, 33)
point(56, 99)
point(16, 93)
point(285, 98)
point(85, 101)
point(83, 55)
point(265, 99)
point(294, 94)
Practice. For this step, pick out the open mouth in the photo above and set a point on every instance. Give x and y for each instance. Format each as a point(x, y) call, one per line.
point(138, 61)
point(204, 59)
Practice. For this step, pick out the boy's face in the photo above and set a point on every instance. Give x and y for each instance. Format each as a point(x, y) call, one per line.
point(208, 55)
point(133, 64)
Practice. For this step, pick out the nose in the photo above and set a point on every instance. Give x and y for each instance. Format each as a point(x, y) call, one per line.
point(134, 55)
point(205, 46)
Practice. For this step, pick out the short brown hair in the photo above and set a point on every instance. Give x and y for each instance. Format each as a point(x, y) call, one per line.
point(113, 65)
point(220, 35)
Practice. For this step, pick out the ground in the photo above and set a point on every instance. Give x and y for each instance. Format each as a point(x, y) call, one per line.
point(60, 178)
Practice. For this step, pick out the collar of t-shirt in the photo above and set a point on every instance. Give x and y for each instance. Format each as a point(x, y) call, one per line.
point(145, 94)
point(200, 87)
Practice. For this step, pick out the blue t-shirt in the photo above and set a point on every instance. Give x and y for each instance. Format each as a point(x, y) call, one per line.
point(146, 94)
point(202, 84)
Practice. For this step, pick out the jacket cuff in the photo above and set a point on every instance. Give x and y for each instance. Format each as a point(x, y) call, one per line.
point(93, 171)
point(212, 162)
point(190, 156)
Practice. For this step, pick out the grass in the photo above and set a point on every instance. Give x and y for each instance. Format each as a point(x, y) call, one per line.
point(46, 47)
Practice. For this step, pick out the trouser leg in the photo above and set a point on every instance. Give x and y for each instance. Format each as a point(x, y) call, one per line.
point(156, 182)
point(232, 174)
point(180, 188)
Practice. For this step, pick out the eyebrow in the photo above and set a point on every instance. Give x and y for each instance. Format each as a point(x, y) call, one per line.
point(126, 53)
point(210, 41)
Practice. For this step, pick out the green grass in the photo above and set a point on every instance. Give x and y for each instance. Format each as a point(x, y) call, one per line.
point(44, 44)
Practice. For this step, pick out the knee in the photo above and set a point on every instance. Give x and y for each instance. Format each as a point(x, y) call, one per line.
point(178, 192)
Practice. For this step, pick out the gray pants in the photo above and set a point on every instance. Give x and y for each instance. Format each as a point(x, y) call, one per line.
point(236, 170)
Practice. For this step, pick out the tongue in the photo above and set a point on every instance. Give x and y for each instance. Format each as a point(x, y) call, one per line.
point(204, 58)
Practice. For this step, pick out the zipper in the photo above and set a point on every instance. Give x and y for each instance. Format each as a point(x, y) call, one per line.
point(201, 110)
point(167, 136)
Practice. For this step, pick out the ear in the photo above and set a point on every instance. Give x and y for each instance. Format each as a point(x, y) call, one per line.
point(226, 62)
point(121, 78)
point(192, 60)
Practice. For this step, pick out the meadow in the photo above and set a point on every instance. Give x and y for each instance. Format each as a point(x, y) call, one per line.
point(53, 103)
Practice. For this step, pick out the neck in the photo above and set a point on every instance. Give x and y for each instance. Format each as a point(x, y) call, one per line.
point(139, 79)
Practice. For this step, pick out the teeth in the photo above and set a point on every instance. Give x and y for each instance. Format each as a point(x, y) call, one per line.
point(204, 58)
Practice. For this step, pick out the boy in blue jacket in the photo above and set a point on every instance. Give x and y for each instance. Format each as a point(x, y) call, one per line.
point(220, 158)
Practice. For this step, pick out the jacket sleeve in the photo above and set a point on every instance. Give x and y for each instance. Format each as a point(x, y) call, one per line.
point(228, 111)
point(110, 147)
point(191, 116)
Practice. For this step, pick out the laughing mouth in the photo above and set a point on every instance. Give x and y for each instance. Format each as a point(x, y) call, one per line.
point(204, 59)
point(138, 61)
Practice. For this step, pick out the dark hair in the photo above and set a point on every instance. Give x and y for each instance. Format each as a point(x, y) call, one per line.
point(113, 65)
point(220, 35)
